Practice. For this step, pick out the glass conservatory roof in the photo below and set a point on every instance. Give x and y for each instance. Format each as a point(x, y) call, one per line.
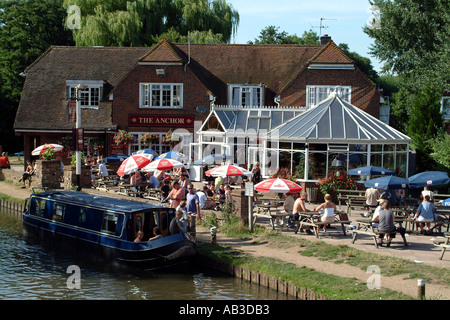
point(335, 120)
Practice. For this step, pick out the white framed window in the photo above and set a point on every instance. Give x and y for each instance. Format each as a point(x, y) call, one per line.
point(246, 95)
point(161, 95)
point(90, 97)
point(316, 94)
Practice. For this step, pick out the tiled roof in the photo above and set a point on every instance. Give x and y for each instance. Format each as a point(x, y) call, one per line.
point(246, 64)
point(44, 92)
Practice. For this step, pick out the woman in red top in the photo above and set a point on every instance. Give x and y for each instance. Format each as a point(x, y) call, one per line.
point(4, 161)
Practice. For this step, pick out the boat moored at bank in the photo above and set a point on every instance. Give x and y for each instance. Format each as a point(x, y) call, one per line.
point(107, 227)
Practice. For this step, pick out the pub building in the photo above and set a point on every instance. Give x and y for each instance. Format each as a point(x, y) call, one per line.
point(202, 95)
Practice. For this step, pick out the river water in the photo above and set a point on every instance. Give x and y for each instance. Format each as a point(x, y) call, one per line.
point(31, 272)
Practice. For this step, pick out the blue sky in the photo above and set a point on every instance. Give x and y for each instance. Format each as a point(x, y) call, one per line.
point(296, 16)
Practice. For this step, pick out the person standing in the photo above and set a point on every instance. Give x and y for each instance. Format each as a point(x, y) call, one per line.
point(176, 194)
point(300, 206)
point(372, 196)
point(193, 209)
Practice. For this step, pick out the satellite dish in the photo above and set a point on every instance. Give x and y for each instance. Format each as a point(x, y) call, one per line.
point(201, 109)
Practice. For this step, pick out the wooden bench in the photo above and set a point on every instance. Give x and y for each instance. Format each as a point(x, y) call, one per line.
point(443, 243)
point(365, 227)
point(310, 219)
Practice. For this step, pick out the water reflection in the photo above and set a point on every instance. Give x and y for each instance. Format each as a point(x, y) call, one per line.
point(28, 271)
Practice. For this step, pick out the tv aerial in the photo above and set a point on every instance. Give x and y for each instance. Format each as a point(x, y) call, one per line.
point(322, 26)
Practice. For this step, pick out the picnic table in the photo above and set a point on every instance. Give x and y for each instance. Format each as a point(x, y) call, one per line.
point(126, 190)
point(153, 193)
point(264, 210)
point(365, 226)
point(311, 218)
point(443, 242)
point(105, 184)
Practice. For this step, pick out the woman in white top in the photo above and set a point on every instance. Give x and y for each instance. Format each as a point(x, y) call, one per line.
point(328, 208)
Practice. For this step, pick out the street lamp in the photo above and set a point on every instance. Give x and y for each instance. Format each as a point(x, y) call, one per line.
point(79, 135)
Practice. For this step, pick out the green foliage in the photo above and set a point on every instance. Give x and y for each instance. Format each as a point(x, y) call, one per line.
point(144, 22)
point(271, 35)
point(440, 147)
point(73, 160)
point(49, 154)
point(27, 29)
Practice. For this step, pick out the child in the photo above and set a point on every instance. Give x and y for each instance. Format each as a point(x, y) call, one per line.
point(165, 189)
point(157, 234)
point(181, 222)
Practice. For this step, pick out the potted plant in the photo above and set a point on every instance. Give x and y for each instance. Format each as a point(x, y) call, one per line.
point(48, 154)
point(123, 138)
point(149, 138)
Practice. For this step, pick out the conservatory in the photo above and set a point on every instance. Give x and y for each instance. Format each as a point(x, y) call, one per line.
point(307, 144)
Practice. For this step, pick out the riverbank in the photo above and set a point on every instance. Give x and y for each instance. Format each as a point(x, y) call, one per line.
point(281, 249)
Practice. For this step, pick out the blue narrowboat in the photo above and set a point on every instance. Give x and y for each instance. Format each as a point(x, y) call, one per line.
point(107, 227)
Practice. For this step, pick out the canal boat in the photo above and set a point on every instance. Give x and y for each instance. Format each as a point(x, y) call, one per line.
point(107, 227)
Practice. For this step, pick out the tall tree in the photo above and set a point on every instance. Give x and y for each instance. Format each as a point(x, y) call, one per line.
point(271, 35)
point(411, 39)
point(140, 22)
point(27, 29)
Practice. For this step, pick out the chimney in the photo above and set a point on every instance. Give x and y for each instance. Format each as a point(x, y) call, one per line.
point(324, 39)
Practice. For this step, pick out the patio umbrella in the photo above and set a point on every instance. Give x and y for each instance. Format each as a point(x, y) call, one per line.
point(370, 171)
point(163, 164)
point(388, 182)
point(278, 186)
point(115, 158)
point(227, 170)
point(149, 152)
point(173, 155)
point(214, 158)
point(132, 164)
point(429, 178)
point(41, 149)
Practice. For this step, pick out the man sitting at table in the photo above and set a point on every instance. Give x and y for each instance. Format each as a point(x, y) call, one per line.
point(288, 207)
point(205, 203)
point(299, 206)
point(152, 179)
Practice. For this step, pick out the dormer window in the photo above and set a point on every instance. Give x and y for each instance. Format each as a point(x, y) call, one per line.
point(90, 97)
point(246, 95)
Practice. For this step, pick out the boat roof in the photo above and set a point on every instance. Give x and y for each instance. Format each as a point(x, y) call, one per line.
point(99, 201)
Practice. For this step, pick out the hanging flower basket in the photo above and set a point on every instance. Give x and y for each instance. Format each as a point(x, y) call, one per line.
point(170, 138)
point(149, 138)
point(123, 138)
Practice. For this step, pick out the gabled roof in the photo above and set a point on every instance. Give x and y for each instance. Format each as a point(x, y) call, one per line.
point(163, 52)
point(336, 121)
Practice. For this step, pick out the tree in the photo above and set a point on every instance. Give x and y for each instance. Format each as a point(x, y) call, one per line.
point(142, 22)
point(271, 35)
point(363, 63)
point(425, 122)
point(27, 29)
point(441, 149)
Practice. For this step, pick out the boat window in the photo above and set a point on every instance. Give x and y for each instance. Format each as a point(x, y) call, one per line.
point(82, 215)
point(58, 211)
point(138, 223)
point(109, 222)
point(39, 207)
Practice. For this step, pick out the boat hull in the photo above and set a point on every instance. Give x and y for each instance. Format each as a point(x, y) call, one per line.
point(166, 253)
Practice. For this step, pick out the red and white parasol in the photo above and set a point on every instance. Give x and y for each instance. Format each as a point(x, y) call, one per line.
point(133, 164)
point(163, 164)
point(278, 186)
point(227, 170)
point(41, 149)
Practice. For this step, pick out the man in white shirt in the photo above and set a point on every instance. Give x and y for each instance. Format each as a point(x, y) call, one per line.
point(102, 170)
point(372, 195)
point(204, 202)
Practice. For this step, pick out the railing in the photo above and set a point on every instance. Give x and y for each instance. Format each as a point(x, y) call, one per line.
point(283, 108)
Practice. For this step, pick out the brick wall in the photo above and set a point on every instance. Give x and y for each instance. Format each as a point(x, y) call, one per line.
point(126, 96)
point(363, 94)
